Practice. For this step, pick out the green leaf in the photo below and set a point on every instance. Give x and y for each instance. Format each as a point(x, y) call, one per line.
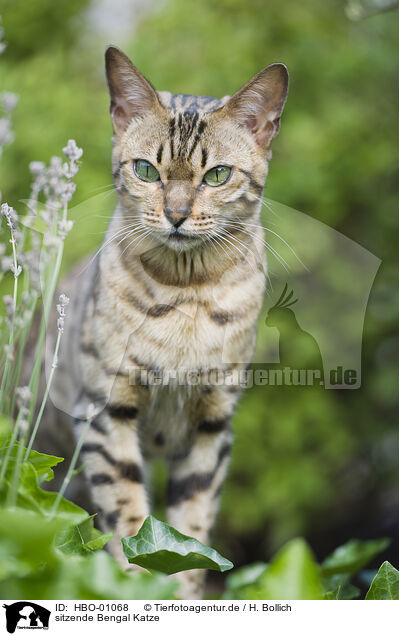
point(31, 497)
point(99, 576)
point(43, 464)
point(29, 561)
point(338, 587)
point(292, 575)
point(81, 538)
point(385, 585)
point(238, 581)
point(5, 430)
point(27, 553)
point(342, 593)
point(353, 556)
point(158, 546)
point(245, 575)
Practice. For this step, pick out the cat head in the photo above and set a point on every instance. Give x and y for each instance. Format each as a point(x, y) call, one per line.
point(189, 166)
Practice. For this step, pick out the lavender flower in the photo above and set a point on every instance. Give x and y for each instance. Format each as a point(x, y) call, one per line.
point(9, 214)
point(9, 101)
point(72, 151)
point(63, 302)
point(24, 396)
point(37, 167)
point(64, 227)
point(6, 134)
point(16, 270)
point(5, 263)
point(9, 306)
point(55, 182)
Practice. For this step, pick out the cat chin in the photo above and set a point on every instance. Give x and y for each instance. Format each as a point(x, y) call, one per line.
point(180, 243)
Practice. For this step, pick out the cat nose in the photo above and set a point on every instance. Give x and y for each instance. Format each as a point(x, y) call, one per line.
point(177, 217)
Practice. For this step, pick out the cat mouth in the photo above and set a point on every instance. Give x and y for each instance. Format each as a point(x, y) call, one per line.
point(177, 236)
point(178, 240)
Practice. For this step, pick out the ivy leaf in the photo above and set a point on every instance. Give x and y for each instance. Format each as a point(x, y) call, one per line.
point(158, 546)
point(353, 556)
point(292, 575)
point(385, 585)
point(245, 575)
point(81, 538)
point(338, 587)
point(238, 581)
point(345, 592)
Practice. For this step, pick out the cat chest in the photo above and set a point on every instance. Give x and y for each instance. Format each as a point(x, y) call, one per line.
point(184, 331)
point(184, 338)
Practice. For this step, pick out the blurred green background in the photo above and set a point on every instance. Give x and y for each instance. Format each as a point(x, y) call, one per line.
point(311, 462)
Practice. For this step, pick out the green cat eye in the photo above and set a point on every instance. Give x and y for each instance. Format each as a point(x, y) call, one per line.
point(145, 170)
point(217, 176)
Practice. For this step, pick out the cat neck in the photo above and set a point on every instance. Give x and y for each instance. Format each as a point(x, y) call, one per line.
point(201, 265)
point(197, 266)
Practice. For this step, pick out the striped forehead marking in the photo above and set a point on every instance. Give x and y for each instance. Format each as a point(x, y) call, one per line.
point(187, 123)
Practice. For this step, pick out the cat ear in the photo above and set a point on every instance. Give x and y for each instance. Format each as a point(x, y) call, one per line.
point(131, 94)
point(258, 105)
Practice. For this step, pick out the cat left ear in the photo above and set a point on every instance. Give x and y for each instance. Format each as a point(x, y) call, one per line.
point(259, 104)
point(131, 94)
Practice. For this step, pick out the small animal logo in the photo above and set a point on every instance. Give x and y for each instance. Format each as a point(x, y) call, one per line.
point(26, 615)
point(298, 349)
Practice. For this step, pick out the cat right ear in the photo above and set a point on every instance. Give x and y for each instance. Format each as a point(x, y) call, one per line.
point(259, 104)
point(131, 94)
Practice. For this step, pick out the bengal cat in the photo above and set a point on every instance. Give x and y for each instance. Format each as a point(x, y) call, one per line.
point(176, 289)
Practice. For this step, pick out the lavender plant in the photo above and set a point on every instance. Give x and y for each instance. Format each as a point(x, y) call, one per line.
point(41, 257)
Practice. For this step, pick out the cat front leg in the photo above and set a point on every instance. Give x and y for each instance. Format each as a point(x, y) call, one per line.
point(114, 468)
point(195, 482)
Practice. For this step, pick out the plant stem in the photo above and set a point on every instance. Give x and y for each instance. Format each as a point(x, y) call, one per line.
point(72, 465)
point(20, 355)
point(13, 490)
point(5, 460)
point(45, 396)
point(15, 295)
point(47, 300)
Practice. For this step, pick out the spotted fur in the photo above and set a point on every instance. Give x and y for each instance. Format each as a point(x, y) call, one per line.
point(155, 302)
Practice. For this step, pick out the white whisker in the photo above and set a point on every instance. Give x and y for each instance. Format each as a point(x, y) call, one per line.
point(224, 238)
point(220, 244)
point(110, 185)
point(267, 245)
point(242, 224)
point(146, 233)
point(103, 246)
